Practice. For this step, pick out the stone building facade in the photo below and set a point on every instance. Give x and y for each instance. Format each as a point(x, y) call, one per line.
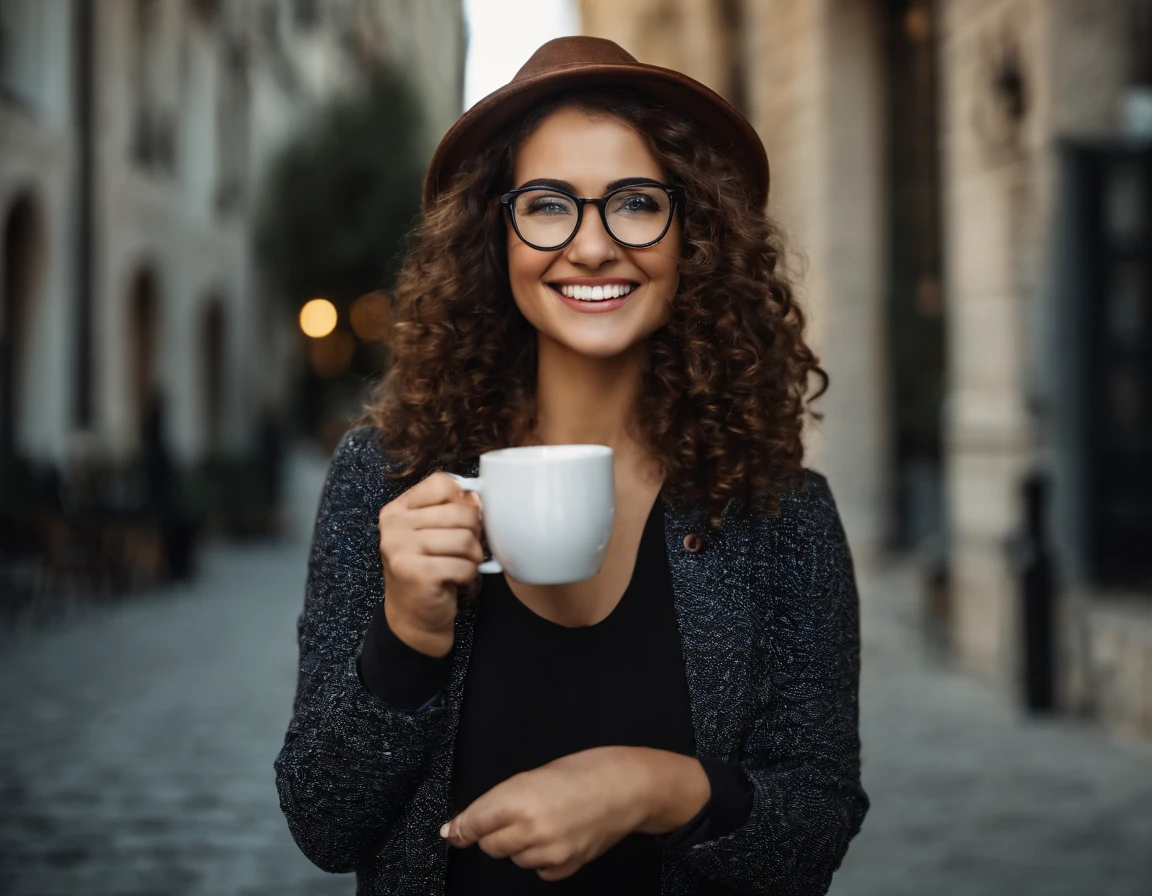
point(921, 165)
point(133, 136)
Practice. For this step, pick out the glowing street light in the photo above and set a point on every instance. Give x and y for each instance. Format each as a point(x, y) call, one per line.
point(318, 318)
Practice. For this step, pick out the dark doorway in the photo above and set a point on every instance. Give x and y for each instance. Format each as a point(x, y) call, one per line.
point(21, 264)
point(1108, 321)
point(915, 300)
point(212, 354)
point(144, 314)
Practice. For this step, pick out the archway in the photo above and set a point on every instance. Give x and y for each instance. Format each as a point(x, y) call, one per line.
point(22, 266)
point(143, 323)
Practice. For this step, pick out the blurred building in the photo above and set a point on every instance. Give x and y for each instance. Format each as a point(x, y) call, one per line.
point(969, 184)
point(132, 138)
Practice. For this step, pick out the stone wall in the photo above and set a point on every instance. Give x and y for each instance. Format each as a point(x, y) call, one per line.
point(992, 179)
point(684, 35)
point(1001, 198)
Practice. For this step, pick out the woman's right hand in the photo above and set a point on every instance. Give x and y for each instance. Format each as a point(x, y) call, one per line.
point(429, 545)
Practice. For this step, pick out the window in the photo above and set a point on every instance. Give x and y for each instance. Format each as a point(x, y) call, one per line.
point(21, 50)
point(307, 13)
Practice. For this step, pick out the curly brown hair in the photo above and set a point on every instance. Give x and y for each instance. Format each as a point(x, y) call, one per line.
point(723, 395)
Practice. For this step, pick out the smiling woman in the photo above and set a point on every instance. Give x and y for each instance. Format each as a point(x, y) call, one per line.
point(709, 302)
point(594, 266)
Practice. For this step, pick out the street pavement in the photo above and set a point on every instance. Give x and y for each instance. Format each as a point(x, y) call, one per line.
point(970, 797)
point(137, 739)
point(136, 742)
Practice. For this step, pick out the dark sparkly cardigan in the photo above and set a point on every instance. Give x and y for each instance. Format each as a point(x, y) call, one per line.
point(768, 617)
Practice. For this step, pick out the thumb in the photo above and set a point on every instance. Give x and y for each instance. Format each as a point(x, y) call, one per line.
point(458, 831)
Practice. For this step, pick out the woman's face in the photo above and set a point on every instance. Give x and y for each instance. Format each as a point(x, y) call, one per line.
point(584, 155)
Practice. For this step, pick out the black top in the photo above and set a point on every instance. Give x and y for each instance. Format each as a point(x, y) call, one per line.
point(536, 690)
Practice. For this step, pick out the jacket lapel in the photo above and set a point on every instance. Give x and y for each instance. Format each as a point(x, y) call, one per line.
point(717, 631)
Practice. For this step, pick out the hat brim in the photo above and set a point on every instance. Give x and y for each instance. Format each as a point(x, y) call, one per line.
point(720, 121)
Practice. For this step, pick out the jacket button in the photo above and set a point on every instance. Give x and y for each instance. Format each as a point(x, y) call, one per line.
point(693, 542)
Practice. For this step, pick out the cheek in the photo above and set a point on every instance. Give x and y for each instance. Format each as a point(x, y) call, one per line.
point(663, 269)
point(525, 263)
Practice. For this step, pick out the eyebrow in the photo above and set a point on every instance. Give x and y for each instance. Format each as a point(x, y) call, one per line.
point(567, 187)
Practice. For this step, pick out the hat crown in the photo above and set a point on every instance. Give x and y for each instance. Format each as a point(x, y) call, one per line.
point(578, 63)
point(576, 50)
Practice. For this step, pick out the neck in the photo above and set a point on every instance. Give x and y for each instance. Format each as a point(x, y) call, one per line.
point(586, 400)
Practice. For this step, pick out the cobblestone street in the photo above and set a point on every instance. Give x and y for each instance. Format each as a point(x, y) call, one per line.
point(136, 744)
point(136, 748)
point(969, 798)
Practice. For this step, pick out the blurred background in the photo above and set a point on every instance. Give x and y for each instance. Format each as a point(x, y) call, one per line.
point(203, 203)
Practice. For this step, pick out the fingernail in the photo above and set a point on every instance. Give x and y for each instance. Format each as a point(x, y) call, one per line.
point(444, 829)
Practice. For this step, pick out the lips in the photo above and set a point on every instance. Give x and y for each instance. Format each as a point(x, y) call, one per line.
point(602, 297)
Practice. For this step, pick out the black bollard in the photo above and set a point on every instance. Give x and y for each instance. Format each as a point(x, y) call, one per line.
point(1037, 592)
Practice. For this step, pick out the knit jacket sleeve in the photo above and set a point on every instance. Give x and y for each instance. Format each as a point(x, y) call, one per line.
point(802, 755)
point(349, 760)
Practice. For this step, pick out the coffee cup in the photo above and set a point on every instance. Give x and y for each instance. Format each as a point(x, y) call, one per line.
point(548, 510)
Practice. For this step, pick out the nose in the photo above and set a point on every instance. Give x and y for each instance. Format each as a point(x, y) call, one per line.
point(592, 246)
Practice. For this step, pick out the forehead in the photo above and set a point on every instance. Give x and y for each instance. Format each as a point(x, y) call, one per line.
point(587, 150)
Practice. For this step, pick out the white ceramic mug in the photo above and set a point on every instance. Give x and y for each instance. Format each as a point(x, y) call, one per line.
point(548, 510)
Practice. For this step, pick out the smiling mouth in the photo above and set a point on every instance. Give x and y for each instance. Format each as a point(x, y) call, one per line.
point(594, 293)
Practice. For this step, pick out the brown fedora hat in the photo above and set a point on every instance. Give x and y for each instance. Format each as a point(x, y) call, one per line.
point(572, 62)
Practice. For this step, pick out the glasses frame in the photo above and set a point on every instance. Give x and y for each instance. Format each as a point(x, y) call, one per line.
point(675, 204)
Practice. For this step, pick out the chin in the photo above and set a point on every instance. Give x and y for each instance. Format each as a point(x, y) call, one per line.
point(600, 350)
point(600, 336)
point(603, 346)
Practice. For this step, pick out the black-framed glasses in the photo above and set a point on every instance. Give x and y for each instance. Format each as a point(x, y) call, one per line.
point(636, 216)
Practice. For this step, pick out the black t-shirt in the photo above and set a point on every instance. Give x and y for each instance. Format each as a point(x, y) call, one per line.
point(536, 690)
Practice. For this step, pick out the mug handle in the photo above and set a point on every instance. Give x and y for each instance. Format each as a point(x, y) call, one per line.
point(476, 485)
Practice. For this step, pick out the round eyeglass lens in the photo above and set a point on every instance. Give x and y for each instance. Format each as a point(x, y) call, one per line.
point(544, 217)
point(636, 215)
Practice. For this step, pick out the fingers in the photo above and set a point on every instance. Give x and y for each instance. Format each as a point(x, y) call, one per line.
point(427, 568)
point(540, 855)
point(558, 872)
point(507, 841)
point(453, 515)
point(483, 818)
point(450, 528)
point(451, 543)
point(435, 489)
point(503, 837)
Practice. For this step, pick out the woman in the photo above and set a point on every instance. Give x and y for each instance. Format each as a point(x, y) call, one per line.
point(593, 266)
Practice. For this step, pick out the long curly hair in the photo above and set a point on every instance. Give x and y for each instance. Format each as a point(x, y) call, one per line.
point(725, 384)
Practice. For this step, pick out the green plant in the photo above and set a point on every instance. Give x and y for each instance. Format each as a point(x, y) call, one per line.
point(340, 197)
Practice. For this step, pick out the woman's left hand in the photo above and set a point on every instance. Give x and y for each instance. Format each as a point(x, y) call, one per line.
point(560, 816)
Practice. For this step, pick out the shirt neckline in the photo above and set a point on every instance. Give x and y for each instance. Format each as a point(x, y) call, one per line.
point(651, 539)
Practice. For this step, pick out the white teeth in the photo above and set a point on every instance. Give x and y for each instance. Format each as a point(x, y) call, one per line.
point(596, 293)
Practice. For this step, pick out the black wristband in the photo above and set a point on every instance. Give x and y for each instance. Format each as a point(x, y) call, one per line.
point(397, 673)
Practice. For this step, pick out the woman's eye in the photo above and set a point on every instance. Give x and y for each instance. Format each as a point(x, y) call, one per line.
point(549, 205)
point(638, 203)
